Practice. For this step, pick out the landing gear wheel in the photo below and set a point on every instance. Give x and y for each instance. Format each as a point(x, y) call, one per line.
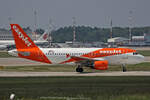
point(124, 68)
point(79, 69)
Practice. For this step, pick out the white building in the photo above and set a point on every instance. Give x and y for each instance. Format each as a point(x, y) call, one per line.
point(118, 40)
point(138, 38)
point(7, 35)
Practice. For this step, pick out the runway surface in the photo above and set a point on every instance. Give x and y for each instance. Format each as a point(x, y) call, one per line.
point(18, 62)
point(46, 74)
point(25, 62)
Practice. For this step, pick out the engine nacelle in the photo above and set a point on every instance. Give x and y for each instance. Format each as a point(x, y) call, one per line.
point(101, 65)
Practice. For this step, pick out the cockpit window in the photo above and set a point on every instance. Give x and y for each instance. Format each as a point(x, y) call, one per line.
point(135, 53)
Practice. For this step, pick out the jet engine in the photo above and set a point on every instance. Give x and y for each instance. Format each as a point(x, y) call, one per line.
point(100, 65)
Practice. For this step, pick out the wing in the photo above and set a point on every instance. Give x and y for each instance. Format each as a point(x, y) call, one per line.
point(76, 58)
point(81, 59)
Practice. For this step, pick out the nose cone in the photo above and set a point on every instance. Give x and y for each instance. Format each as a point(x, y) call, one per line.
point(13, 52)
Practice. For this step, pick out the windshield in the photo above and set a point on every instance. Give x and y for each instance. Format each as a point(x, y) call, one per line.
point(135, 53)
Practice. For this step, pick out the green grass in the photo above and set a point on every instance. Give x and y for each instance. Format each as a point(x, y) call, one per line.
point(5, 55)
point(40, 68)
point(94, 88)
point(136, 67)
point(144, 52)
point(70, 68)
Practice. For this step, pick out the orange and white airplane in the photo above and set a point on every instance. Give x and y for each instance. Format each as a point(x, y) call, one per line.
point(96, 58)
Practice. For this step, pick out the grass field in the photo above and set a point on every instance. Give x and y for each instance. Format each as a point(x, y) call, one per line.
point(75, 88)
point(70, 68)
point(144, 52)
point(4, 54)
point(90, 88)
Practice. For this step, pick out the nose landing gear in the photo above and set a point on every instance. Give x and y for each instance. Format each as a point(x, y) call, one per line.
point(124, 68)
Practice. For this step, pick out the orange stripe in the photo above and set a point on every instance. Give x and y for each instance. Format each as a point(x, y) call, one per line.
point(97, 53)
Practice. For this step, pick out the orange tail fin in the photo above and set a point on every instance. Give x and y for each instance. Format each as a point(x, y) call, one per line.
point(26, 47)
point(21, 39)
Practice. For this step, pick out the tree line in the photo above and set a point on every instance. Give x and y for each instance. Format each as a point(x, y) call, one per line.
point(91, 34)
point(95, 34)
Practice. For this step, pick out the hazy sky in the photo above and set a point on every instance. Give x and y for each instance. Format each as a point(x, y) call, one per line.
point(87, 12)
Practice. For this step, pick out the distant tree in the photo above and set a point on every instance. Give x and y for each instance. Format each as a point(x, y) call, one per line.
point(90, 34)
point(27, 28)
point(39, 31)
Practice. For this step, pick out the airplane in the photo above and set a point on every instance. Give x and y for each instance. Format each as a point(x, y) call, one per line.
point(4, 44)
point(95, 58)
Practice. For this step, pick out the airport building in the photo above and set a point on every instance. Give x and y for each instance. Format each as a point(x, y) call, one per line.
point(147, 38)
point(7, 35)
point(135, 41)
point(117, 41)
point(84, 44)
point(138, 40)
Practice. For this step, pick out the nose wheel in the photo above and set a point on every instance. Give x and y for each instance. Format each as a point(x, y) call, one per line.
point(79, 69)
point(124, 68)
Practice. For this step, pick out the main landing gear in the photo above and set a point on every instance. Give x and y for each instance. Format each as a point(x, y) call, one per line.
point(124, 68)
point(79, 69)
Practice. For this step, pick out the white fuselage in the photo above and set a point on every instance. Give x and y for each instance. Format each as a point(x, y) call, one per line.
point(59, 55)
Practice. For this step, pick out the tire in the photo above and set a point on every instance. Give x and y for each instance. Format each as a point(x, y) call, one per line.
point(124, 69)
point(79, 70)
